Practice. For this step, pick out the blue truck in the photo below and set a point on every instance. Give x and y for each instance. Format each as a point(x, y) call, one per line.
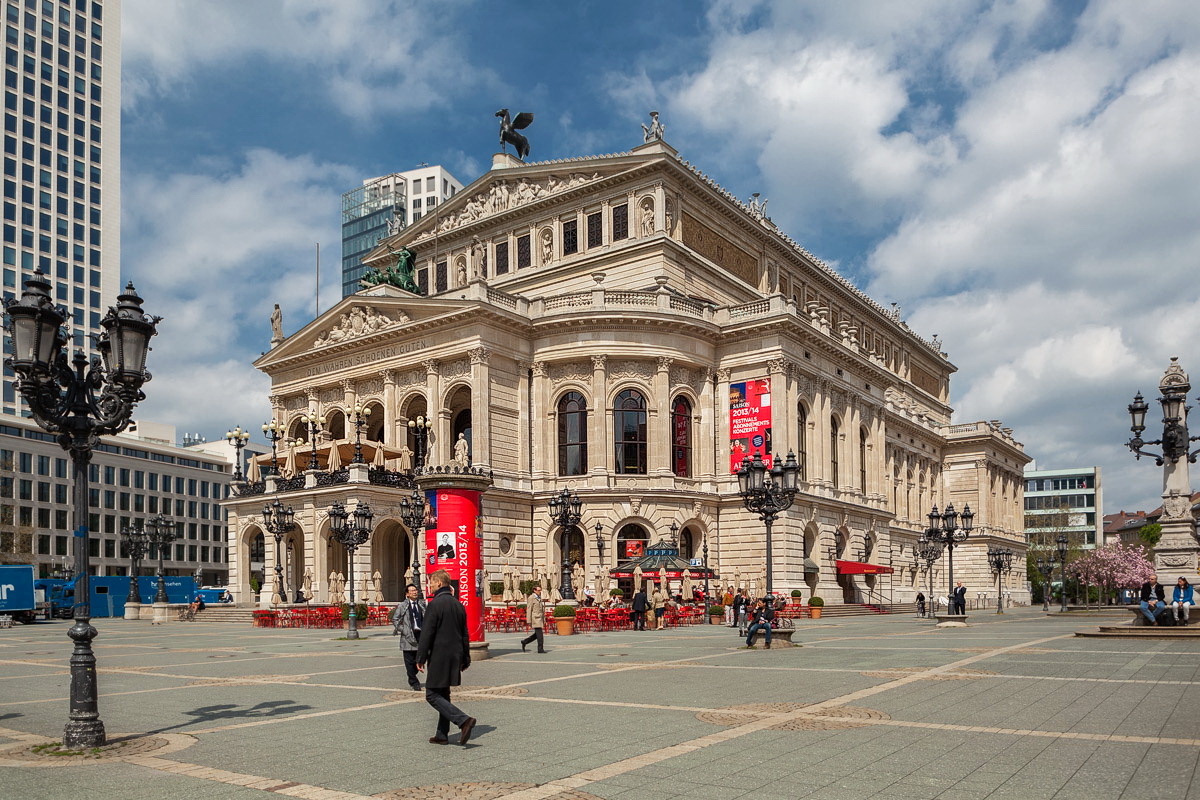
point(19, 597)
point(109, 592)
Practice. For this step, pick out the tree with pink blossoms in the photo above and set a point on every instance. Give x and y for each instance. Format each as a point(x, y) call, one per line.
point(1113, 567)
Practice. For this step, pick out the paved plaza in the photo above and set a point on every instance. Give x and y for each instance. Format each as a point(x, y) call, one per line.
point(886, 706)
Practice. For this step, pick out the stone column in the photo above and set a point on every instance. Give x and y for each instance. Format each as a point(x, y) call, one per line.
point(524, 417)
point(659, 421)
point(721, 411)
point(782, 403)
point(703, 456)
point(481, 381)
point(389, 407)
point(543, 465)
point(437, 452)
point(599, 446)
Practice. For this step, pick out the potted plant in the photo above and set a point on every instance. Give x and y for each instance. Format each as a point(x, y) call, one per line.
point(796, 597)
point(526, 589)
point(616, 593)
point(360, 611)
point(497, 590)
point(716, 614)
point(815, 604)
point(564, 620)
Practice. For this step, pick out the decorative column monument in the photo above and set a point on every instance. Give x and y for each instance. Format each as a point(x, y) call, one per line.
point(1177, 551)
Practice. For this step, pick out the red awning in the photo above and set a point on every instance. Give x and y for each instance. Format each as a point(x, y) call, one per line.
point(861, 568)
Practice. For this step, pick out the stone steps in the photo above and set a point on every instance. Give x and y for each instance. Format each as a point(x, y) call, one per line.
point(226, 614)
point(1141, 632)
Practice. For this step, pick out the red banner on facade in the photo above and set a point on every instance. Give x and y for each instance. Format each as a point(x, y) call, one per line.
point(454, 543)
point(749, 421)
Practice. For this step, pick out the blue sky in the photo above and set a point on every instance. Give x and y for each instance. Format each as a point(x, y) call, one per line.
point(1022, 177)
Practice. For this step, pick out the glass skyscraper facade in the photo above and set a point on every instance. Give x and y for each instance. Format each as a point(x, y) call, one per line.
point(62, 159)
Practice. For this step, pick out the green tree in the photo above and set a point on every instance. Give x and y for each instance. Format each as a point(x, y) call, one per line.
point(1150, 533)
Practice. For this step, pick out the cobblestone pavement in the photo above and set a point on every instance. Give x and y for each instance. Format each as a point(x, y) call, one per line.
point(1010, 706)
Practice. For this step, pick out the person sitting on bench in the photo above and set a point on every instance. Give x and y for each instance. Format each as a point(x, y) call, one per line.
point(1154, 600)
point(196, 605)
point(1181, 600)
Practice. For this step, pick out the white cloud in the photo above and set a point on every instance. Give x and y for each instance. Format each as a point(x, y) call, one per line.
point(212, 252)
point(365, 57)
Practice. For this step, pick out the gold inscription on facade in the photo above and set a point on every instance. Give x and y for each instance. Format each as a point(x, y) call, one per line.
point(708, 243)
point(358, 359)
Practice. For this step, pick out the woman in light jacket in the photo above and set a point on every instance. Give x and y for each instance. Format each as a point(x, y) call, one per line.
point(1181, 599)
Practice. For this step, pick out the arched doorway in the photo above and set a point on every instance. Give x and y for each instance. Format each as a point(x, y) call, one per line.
point(251, 567)
point(631, 542)
point(391, 557)
point(811, 576)
point(335, 424)
point(293, 567)
point(458, 402)
point(687, 543)
point(846, 582)
point(373, 431)
point(417, 407)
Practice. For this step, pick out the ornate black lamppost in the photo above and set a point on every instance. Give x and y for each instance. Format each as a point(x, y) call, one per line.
point(359, 420)
point(1000, 560)
point(420, 428)
point(768, 493)
point(274, 433)
point(1046, 568)
point(79, 400)
point(706, 573)
point(600, 547)
point(278, 520)
point(929, 552)
point(1062, 542)
point(351, 535)
point(314, 427)
point(136, 543)
point(238, 438)
point(945, 529)
point(160, 532)
point(412, 514)
point(566, 509)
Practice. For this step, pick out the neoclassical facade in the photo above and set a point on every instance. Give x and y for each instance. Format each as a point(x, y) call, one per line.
point(623, 327)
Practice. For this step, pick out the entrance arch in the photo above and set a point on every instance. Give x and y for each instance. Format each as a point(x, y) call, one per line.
point(391, 557)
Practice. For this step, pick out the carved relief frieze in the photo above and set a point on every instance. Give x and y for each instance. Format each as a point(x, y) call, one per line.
point(331, 394)
point(504, 195)
point(628, 368)
point(372, 387)
point(295, 403)
point(412, 377)
point(359, 321)
point(456, 369)
point(570, 371)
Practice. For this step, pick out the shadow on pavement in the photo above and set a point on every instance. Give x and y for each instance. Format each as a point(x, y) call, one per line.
point(210, 714)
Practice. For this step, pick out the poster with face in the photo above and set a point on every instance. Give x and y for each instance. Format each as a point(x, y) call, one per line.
point(749, 421)
point(453, 543)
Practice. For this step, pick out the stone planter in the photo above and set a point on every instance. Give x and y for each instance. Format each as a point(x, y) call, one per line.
point(716, 619)
point(815, 611)
point(565, 625)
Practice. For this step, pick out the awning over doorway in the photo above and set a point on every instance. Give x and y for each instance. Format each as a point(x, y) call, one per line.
point(861, 568)
point(663, 554)
point(811, 566)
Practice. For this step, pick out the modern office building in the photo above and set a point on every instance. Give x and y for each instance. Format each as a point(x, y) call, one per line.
point(1064, 501)
point(384, 205)
point(62, 158)
point(622, 327)
point(134, 476)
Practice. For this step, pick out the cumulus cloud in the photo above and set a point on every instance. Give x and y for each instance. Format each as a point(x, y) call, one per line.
point(212, 251)
point(1024, 176)
point(366, 57)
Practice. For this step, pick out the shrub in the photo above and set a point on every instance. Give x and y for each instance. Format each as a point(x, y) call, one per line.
point(815, 601)
point(360, 611)
point(616, 593)
point(797, 593)
point(564, 612)
point(496, 587)
point(716, 610)
point(526, 587)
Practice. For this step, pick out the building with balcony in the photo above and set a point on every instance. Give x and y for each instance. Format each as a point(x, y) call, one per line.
point(1068, 501)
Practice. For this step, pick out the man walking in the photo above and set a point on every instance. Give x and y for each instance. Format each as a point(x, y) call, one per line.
point(445, 647)
point(959, 603)
point(1154, 600)
point(640, 603)
point(406, 623)
point(535, 615)
point(764, 615)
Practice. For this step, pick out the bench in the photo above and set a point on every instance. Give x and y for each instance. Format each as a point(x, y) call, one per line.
point(781, 631)
point(1166, 620)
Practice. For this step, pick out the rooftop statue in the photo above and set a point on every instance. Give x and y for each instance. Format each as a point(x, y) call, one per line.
point(509, 128)
point(655, 130)
point(399, 274)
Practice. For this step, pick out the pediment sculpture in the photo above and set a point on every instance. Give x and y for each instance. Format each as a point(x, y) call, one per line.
point(506, 194)
point(358, 321)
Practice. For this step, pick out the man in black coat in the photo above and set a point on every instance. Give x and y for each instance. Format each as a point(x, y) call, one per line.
point(640, 604)
point(446, 648)
point(959, 605)
point(1154, 600)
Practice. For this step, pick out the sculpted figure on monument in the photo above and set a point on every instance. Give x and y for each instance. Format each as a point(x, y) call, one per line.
point(654, 131)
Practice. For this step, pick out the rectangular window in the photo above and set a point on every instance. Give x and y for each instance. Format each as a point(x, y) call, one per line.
point(594, 230)
point(620, 222)
point(570, 235)
point(501, 258)
point(524, 258)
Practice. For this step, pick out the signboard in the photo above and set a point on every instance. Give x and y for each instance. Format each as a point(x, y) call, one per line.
point(749, 421)
point(634, 548)
point(453, 542)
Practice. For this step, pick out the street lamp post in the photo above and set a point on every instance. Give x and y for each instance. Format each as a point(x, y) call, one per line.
point(351, 535)
point(707, 601)
point(412, 514)
point(1061, 541)
point(359, 419)
point(1046, 568)
point(79, 399)
point(278, 520)
point(566, 510)
point(600, 547)
point(238, 438)
point(274, 433)
point(160, 532)
point(945, 528)
point(768, 493)
point(929, 552)
point(420, 428)
point(1000, 560)
point(136, 543)
point(313, 425)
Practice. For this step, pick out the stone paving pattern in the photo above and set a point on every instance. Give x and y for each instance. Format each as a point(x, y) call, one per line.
point(1011, 706)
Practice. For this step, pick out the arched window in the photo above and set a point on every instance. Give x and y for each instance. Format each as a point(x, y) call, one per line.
point(681, 437)
point(802, 442)
point(631, 542)
point(629, 433)
point(461, 424)
point(572, 434)
point(862, 460)
point(833, 451)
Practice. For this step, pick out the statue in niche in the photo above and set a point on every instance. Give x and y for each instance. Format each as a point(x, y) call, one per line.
point(462, 451)
point(647, 217)
point(478, 258)
point(547, 247)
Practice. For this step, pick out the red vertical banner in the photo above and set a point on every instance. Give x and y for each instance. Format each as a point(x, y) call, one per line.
point(749, 421)
point(454, 542)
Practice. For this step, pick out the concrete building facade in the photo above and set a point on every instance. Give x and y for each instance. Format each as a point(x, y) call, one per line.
point(1067, 501)
point(602, 324)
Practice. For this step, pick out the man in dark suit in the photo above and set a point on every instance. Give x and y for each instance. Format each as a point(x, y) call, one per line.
point(1154, 600)
point(640, 604)
point(445, 647)
point(959, 605)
